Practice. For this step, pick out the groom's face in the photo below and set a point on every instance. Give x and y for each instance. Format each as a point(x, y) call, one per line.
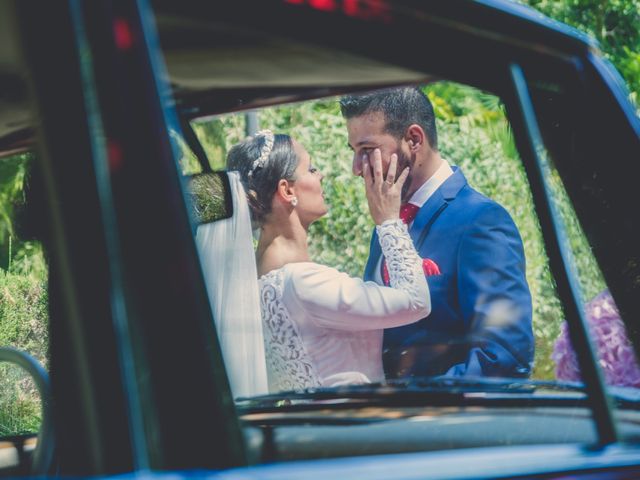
point(366, 133)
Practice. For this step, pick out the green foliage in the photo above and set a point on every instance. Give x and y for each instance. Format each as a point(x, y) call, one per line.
point(207, 198)
point(20, 406)
point(613, 23)
point(12, 176)
point(23, 325)
point(583, 262)
point(23, 302)
point(23, 313)
point(217, 137)
point(186, 158)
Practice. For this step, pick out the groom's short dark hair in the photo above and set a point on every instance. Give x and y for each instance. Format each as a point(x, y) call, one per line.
point(401, 107)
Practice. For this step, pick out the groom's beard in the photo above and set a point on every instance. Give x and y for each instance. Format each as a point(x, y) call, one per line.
point(403, 162)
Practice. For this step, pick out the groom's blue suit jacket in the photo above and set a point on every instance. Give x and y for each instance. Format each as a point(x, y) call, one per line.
point(480, 323)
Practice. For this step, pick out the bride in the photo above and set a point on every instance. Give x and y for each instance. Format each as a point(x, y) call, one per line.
point(320, 327)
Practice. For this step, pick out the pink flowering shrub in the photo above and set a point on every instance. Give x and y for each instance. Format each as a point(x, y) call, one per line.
point(615, 352)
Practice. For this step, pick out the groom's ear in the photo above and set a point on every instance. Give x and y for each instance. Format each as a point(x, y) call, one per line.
point(415, 137)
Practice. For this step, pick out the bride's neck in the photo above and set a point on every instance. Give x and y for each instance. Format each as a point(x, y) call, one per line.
point(281, 242)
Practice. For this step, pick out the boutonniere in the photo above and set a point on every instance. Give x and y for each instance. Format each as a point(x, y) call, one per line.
point(430, 267)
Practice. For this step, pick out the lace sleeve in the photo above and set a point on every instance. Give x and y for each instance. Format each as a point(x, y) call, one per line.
point(403, 262)
point(333, 299)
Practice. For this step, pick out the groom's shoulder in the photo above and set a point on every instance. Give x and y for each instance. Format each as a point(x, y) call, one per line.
point(460, 195)
point(473, 204)
point(471, 200)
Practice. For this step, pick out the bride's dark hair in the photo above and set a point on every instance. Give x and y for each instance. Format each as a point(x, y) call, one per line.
point(261, 182)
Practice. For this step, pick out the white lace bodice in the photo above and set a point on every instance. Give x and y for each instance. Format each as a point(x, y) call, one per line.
point(323, 327)
point(289, 366)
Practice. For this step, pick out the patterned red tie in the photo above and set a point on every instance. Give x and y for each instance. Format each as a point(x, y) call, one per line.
point(408, 212)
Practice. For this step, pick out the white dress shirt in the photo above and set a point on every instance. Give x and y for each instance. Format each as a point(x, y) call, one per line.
point(420, 197)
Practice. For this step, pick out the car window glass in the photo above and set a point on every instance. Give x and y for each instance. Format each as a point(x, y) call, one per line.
point(558, 112)
point(614, 351)
point(473, 134)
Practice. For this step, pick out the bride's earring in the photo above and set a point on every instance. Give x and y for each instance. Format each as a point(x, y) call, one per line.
point(294, 201)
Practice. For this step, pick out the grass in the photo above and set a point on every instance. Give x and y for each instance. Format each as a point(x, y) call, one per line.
point(23, 325)
point(20, 406)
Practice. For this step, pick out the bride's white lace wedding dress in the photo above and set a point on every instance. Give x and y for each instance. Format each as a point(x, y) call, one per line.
point(324, 328)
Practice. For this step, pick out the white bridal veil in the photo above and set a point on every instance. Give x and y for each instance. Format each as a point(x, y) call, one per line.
point(228, 262)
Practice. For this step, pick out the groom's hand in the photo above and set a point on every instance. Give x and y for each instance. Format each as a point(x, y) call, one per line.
point(383, 194)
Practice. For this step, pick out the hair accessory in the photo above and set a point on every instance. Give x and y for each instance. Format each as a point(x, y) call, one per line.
point(265, 151)
point(294, 201)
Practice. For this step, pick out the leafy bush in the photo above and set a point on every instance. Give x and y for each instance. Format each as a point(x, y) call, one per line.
point(614, 24)
point(23, 314)
point(12, 175)
point(20, 406)
point(23, 325)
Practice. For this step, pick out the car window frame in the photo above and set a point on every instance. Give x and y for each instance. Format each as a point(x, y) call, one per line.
point(98, 20)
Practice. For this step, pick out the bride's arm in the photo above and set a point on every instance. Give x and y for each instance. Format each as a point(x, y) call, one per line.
point(335, 300)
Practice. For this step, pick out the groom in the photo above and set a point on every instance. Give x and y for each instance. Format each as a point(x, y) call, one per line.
point(480, 322)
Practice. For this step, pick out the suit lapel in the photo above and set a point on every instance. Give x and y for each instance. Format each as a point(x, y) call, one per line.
point(435, 205)
point(427, 215)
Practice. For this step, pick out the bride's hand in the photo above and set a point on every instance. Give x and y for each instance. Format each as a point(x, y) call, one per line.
point(383, 194)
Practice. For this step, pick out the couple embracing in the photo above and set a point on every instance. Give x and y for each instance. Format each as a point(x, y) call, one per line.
point(444, 289)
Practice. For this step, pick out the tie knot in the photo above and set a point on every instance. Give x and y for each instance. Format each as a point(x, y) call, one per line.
point(408, 212)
